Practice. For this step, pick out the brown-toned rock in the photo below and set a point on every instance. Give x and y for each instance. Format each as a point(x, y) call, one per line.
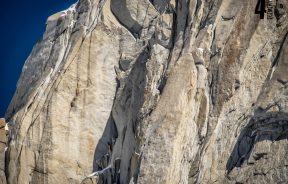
point(3, 141)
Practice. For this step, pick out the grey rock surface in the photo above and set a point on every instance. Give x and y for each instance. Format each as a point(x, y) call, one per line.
point(152, 91)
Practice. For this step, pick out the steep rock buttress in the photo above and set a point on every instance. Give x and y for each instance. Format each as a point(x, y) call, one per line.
point(139, 91)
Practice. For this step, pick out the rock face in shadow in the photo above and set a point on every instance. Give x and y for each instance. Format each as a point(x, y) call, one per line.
point(263, 139)
point(152, 91)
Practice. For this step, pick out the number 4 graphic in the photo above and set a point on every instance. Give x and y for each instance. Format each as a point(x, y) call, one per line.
point(260, 5)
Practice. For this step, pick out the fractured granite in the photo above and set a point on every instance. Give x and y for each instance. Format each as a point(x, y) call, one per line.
point(150, 91)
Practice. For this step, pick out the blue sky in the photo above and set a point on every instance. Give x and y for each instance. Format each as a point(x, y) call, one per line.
point(22, 25)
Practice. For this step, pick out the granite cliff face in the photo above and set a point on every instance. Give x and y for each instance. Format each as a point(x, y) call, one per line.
point(139, 91)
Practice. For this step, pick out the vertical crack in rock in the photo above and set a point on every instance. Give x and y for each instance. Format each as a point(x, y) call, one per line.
point(153, 91)
point(126, 108)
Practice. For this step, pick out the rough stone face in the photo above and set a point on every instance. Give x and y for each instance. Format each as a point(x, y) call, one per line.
point(3, 142)
point(175, 92)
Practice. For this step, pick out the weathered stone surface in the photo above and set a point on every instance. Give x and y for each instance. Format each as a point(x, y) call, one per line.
point(3, 142)
point(154, 92)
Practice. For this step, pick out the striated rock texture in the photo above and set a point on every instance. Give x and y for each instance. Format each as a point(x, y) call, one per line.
point(154, 92)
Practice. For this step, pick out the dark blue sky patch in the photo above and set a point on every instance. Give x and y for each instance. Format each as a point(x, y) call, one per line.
point(22, 25)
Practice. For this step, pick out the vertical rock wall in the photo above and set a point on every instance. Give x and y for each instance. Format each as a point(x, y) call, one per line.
point(190, 91)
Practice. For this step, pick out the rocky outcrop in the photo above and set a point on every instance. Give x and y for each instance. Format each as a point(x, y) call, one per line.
point(3, 147)
point(154, 92)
